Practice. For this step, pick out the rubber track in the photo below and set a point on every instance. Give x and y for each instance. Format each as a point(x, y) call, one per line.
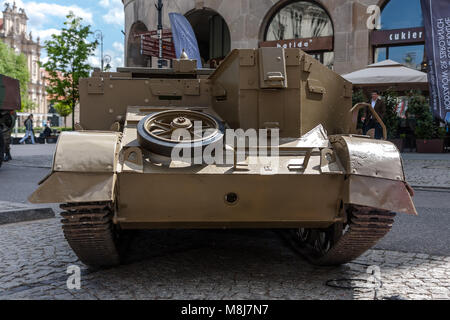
point(88, 229)
point(365, 228)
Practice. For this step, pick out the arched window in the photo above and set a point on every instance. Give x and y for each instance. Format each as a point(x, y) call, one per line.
point(305, 22)
point(410, 17)
point(401, 37)
point(300, 19)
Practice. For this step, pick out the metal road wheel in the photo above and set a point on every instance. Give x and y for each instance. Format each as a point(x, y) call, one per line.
point(318, 241)
point(160, 132)
point(303, 234)
point(342, 243)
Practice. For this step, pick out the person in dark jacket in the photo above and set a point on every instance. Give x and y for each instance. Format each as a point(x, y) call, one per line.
point(47, 131)
point(7, 145)
point(369, 121)
point(28, 130)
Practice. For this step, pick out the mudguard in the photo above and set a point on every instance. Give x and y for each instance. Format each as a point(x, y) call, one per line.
point(375, 175)
point(83, 170)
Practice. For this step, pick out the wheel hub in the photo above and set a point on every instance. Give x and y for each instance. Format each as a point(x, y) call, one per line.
point(181, 123)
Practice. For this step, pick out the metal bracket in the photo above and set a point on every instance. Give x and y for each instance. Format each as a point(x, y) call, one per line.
point(329, 163)
point(315, 86)
point(297, 164)
point(133, 160)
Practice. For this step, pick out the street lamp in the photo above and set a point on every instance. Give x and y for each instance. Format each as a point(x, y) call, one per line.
point(107, 59)
point(98, 34)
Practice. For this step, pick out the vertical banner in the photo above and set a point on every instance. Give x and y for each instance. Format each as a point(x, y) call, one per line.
point(436, 18)
point(184, 38)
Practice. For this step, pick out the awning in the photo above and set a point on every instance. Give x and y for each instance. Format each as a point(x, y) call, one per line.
point(387, 73)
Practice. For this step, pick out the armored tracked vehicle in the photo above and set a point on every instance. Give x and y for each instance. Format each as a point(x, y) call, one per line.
point(332, 191)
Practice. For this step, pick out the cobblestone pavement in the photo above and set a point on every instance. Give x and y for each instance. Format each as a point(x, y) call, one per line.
point(206, 265)
point(428, 173)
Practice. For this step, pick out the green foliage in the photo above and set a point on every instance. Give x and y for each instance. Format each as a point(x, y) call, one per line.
point(391, 119)
point(358, 96)
point(27, 104)
point(419, 108)
point(62, 109)
point(67, 61)
point(16, 66)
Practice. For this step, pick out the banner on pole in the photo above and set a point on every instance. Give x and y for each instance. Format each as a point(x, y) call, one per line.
point(184, 38)
point(436, 18)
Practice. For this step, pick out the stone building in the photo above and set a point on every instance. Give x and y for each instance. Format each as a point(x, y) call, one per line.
point(13, 31)
point(345, 35)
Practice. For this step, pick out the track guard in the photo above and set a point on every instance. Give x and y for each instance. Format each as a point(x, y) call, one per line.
point(375, 176)
point(83, 170)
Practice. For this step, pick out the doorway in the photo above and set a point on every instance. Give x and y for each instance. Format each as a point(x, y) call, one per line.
point(213, 35)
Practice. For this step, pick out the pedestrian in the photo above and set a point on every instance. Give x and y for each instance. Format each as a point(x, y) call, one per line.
point(28, 130)
point(7, 145)
point(47, 131)
point(370, 122)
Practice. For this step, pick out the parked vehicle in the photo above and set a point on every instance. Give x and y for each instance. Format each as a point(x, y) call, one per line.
point(9, 103)
point(332, 192)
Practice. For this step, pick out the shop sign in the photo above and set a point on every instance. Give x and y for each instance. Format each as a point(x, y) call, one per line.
point(398, 36)
point(307, 44)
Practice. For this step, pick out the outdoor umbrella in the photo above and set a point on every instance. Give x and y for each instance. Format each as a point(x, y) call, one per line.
point(388, 73)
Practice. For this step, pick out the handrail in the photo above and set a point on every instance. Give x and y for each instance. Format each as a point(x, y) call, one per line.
point(355, 111)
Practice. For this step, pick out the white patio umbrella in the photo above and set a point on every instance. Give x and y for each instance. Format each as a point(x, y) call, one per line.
point(388, 73)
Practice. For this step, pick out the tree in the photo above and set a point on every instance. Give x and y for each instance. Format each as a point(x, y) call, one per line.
point(391, 119)
point(15, 66)
point(68, 53)
point(63, 110)
point(419, 108)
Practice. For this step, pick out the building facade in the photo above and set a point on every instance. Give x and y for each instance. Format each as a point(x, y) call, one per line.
point(345, 35)
point(13, 31)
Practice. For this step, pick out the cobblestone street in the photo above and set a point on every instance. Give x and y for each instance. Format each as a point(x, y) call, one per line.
point(206, 265)
point(433, 172)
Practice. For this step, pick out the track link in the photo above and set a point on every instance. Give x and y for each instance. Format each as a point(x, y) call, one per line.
point(90, 232)
point(365, 227)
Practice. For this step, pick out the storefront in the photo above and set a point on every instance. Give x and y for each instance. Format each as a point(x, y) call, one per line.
point(333, 31)
point(304, 25)
point(401, 37)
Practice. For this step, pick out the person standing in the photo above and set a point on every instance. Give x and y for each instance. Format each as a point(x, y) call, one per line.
point(370, 122)
point(28, 130)
point(7, 145)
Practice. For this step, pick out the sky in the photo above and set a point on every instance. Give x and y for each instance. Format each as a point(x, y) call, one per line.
point(46, 17)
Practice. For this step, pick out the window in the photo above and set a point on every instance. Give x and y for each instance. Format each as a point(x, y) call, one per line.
point(303, 20)
point(299, 20)
point(400, 14)
point(410, 56)
point(409, 22)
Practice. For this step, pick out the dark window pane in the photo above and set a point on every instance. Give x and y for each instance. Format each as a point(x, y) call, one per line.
point(380, 54)
point(299, 20)
point(410, 56)
point(399, 14)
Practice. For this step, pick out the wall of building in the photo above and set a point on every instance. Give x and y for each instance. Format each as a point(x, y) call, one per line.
point(14, 34)
point(247, 20)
